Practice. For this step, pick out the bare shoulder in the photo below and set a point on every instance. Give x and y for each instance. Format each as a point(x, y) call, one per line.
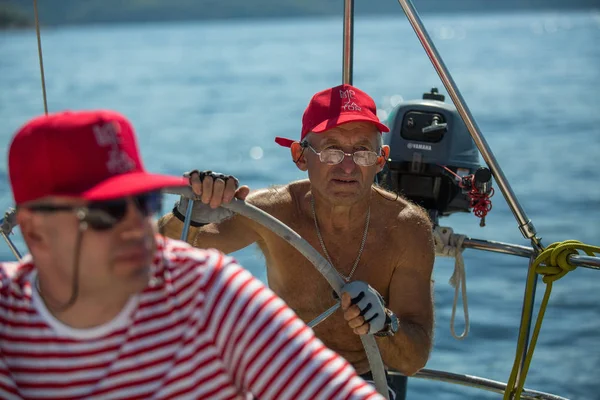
point(415, 219)
point(279, 200)
point(406, 223)
point(406, 212)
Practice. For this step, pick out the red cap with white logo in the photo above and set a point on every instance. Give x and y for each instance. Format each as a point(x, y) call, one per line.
point(336, 106)
point(91, 155)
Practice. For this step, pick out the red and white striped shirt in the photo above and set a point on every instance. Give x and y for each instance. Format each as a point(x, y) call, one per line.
point(204, 328)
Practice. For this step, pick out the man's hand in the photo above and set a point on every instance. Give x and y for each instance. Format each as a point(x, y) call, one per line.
point(363, 307)
point(212, 189)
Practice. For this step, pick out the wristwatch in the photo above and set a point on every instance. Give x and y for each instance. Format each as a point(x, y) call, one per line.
point(391, 324)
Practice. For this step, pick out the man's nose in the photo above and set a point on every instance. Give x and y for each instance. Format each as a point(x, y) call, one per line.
point(348, 163)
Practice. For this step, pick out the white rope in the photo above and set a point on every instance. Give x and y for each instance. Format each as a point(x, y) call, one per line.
point(449, 244)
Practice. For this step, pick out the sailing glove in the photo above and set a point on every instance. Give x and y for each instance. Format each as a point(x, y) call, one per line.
point(203, 214)
point(370, 302)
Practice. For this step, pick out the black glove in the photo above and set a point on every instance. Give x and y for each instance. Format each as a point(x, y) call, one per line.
point(203, 214)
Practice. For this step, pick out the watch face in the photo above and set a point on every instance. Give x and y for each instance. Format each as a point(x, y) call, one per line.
point(394, 323)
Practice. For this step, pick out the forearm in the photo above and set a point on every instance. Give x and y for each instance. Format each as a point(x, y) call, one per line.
point(408, 350)
point(171, 227)
point(228, 236)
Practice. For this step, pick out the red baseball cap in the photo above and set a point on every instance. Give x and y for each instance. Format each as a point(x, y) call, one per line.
point(91, 155)
point(334, 107)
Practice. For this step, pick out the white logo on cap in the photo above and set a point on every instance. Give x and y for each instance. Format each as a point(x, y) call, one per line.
point(108, 135)
point(349, 105)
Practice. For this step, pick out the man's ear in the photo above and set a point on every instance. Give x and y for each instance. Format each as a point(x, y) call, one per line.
point(298, 156)
point(382, 159)
point(30, 229)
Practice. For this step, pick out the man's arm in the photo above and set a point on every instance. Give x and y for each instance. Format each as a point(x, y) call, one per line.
point(213, 189)
point(227, 236)
point(410, 298)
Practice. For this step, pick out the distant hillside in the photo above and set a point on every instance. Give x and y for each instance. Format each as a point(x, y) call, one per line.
point(59, 12)
point(13, 17)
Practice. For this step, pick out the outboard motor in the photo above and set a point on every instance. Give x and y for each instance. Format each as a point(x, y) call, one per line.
point(433, 159)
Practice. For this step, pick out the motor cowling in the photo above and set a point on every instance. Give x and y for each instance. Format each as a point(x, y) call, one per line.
point(426, 136)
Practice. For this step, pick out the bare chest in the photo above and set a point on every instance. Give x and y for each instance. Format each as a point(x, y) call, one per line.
point(302, 286)
point(308, 293)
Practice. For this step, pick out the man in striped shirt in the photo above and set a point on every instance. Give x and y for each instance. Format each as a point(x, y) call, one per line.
point(104, 308)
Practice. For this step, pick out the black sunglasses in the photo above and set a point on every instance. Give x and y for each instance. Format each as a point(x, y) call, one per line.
point(103, 215)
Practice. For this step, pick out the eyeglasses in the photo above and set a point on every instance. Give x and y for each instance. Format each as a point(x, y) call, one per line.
point(364, 158)
point(103, 215)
